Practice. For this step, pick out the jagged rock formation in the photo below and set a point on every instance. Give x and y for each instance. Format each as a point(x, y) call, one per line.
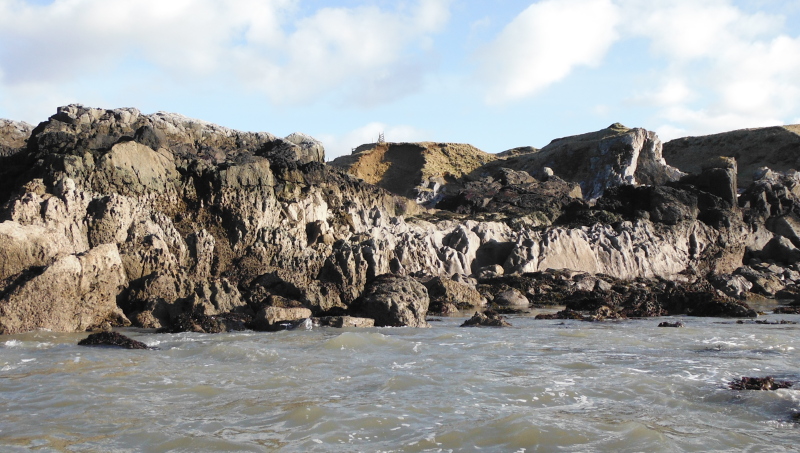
point(415, 170)
point(166, 222)
point(598, 160)
point(775, 147)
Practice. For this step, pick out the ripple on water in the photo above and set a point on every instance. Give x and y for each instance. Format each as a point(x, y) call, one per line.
point(543, 386)
point(363, 341)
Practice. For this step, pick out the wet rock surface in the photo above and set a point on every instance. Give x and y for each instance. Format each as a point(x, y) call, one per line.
point(488, 318)
point(343, 321)
point(112, 339)
point(756, 383)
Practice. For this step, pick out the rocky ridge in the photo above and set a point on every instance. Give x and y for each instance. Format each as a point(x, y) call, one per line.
point(114, 217)
point(777, 148)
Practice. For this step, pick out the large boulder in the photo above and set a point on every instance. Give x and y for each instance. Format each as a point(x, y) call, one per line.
point(395, 301)
point(717, 176)
point(449, 296)
point(75, 293)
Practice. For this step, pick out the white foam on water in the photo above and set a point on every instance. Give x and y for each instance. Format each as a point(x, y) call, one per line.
point(12, 344)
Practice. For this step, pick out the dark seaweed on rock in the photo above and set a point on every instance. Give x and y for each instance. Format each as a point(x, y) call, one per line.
point(112, 339)
point(755, 383)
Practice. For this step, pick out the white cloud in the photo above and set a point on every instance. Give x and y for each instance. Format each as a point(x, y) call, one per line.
point(725, 68)
point(688, 29)
point(673, 91)
point(544, 43)
point(667, 132)
point(363, 49)
point(265, 46)
point(341, 145)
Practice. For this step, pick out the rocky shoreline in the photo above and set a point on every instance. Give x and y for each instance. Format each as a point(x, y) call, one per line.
point(115, 218)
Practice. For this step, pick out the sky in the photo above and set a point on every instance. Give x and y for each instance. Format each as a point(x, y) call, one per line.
point(495, 74)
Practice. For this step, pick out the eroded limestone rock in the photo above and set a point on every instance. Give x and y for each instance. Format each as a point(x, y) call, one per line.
point(74, 293)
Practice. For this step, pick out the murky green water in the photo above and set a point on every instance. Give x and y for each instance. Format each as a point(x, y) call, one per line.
point(539, 386)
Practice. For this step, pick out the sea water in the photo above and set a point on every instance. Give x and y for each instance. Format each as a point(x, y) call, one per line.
point(539, 386)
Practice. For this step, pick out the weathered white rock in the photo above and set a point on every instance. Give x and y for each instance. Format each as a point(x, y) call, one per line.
point(75, 293)
point(26, 246)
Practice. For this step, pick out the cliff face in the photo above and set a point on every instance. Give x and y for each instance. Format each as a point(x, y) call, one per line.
point(117, 217)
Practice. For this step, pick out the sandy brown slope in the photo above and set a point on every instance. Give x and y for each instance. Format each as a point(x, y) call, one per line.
point(402, 167)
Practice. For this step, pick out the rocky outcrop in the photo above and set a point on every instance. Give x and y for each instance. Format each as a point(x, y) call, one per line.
point(513, 195)
point(207, 229)
point(610, 157)
point(598, 297)
point(775, 147)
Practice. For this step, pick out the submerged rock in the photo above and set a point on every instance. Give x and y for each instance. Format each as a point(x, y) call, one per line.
point(488, 318)
point(755, 383)
point(671, 324)
point(112, 339)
